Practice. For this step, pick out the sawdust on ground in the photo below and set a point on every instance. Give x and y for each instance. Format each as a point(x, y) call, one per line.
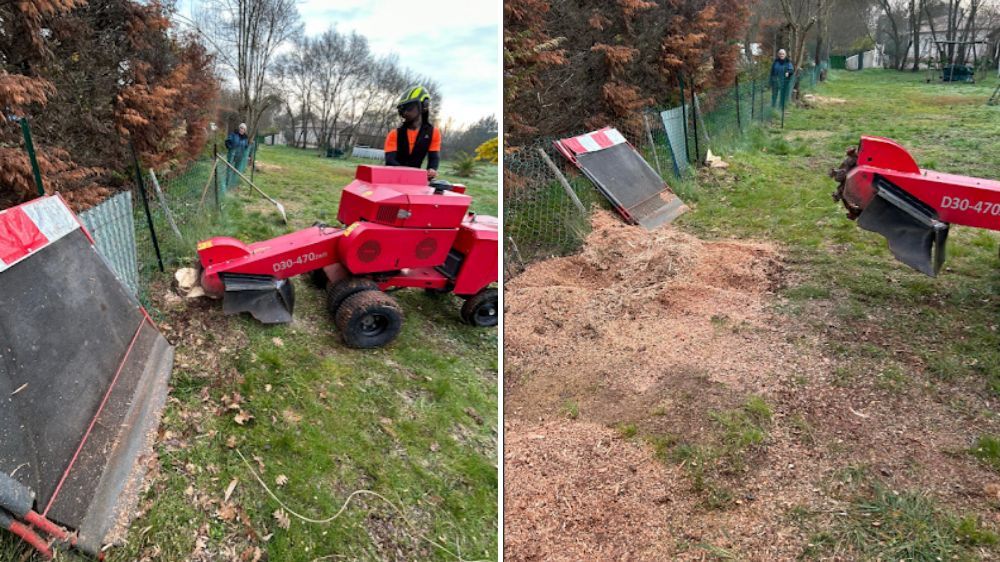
point(815, 100)
point(637, 323)
point(264, 167)
point(658, 330)
point(638, 307)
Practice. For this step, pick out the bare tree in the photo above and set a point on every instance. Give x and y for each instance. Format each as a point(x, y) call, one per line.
point(246, 35)
point(893, 14)
point(800, 17)
point(295, 77)
point(916, 11)
point(823, 14)
point(340, 60)
point(335, 92)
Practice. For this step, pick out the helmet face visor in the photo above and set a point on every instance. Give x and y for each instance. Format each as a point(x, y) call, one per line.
point(406, 106)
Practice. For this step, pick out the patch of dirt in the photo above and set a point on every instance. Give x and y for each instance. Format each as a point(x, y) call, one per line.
point(578, 491)
point(201, 334)
point(658, 330)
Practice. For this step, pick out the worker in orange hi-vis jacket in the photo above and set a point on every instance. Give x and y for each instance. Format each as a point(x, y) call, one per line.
point(416, 138)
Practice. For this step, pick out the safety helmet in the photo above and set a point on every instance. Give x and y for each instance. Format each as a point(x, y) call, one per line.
point(414, 94)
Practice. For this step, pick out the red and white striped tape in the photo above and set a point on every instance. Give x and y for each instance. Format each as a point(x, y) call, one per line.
point(31, 226)
point(594, 141)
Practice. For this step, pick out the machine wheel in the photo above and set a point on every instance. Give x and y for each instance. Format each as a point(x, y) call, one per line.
point(369, 319)
point(337, 292)
point(318, 278)
point(482, 309)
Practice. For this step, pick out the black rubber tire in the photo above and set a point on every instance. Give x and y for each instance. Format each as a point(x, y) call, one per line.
point(482, 309)
point(338, 292)
point(369, 319)
point(317, 278)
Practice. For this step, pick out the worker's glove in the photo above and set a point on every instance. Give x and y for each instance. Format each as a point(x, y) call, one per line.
point(431, 173)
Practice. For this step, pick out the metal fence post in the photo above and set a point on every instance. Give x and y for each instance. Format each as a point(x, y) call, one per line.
point(687, 151)
point(253, 159)
point(694, 112)
point(739, 123)
point(562, 181)
point(215, 175)
point(30, 147)
point(753, 98)
point(784, 95)
point(141, 186)
point(652, 145)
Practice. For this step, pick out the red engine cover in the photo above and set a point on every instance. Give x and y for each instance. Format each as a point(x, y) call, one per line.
point(398, 196)
point(372, 248)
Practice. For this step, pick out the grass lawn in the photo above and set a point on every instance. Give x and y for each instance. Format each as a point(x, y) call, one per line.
point(415, 422)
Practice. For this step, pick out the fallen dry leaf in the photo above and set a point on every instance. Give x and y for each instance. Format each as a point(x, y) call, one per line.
point(226, 512)
point(281, 480)
point(279, 343)
point(252, 554)
point(282, 518)
point(291, 416)
point(242, 417)
point(229, 489)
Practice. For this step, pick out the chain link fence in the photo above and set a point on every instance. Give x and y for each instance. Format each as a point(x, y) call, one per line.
point(547, 201)
point(112, 226)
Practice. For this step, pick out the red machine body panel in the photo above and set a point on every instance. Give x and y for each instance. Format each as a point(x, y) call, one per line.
point(373, 248)
point(282, 257)
point(956, 199)
point(421, 277)
point(478, 240)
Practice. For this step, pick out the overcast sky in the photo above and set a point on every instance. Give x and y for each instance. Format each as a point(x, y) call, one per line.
point(454, 42)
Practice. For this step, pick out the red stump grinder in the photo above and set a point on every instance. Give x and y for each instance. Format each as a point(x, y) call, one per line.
point(399, 232)
point(883, 188)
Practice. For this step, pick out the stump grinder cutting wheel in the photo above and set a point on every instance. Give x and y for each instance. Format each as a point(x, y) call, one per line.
point(883, 189)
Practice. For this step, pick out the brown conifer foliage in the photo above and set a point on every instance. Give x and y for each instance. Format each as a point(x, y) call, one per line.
point(614, 59)
point(88, 75)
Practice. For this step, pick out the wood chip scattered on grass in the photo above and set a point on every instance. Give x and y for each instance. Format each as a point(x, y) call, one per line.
point(230, 488)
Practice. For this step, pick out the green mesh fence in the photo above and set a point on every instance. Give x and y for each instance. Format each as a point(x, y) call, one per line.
point(191, 199)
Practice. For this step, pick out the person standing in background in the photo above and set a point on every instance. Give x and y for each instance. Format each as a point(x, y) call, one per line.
point(238, 147)
point(782, 71)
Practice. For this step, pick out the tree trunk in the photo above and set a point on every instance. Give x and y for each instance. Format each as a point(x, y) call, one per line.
point(934, 36)
point(915, 29)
